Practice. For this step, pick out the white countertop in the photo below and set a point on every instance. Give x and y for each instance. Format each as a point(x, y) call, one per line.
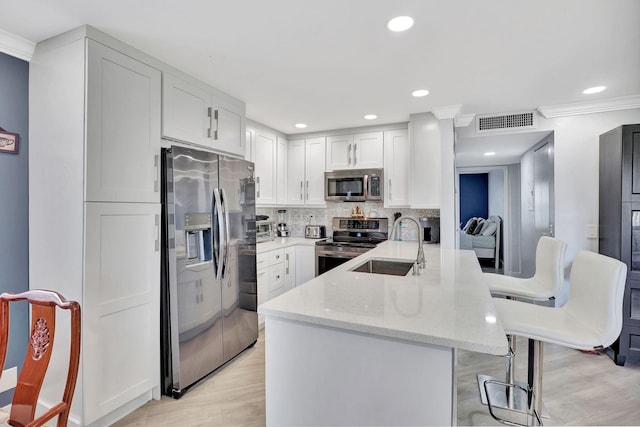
point(447, 305)
point(283, 242)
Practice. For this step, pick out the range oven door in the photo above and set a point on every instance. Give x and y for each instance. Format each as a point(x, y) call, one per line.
point(328, 258)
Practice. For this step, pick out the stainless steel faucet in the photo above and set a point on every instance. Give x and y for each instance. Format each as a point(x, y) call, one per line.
point(421, 263)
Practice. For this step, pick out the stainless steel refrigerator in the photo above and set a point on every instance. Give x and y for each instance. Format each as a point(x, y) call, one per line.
point(209, 290)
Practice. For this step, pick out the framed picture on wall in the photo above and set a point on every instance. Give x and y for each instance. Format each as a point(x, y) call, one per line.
point(8, 142)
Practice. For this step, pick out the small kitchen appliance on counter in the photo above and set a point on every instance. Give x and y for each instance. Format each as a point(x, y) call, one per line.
point(283, 229)
point(351, 237)
point(315, 231)
point(265, 231)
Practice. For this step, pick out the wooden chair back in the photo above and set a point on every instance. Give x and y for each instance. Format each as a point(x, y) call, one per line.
point(43, 305)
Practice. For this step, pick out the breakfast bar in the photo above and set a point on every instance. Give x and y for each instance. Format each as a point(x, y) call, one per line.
point(358, 348)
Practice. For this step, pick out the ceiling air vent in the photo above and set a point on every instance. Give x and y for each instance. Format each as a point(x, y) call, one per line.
point(504, 122)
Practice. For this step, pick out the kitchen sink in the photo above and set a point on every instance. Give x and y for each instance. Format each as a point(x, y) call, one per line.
point(394, 267)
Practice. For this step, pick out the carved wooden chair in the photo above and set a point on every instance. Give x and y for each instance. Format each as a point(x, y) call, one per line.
point(43, 324)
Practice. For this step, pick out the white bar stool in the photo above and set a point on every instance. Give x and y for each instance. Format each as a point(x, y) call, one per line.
point(545, 284)
point(591, 319)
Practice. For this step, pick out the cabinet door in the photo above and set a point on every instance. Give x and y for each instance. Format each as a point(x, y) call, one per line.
point(266, 163)
point(289, 268)
point(281, 171)
point(396, 168)
point(185, 111)
point(228, 132)
point(305, 263)
point(123, 128)
point(295, 172)
point(367, 150)
point(263, 286)
point(314, 171)
point(339, 152)
point(120, 315)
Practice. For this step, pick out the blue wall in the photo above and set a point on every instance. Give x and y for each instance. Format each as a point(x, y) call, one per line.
point(474, 196)
point(14, 204)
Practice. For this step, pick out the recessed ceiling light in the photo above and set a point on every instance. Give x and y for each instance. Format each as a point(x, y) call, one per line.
point(301, 125)
point(490, 153)
point(400, 23)
point(420, 92)
point(595, 89)
point(370, 117)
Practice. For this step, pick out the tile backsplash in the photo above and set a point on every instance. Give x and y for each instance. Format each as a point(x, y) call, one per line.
point(297, 217)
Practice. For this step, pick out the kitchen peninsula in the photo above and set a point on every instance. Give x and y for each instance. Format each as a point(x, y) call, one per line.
point(352, 348)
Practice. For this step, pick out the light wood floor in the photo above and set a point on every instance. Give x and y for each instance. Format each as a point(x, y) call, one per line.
point(578, 389)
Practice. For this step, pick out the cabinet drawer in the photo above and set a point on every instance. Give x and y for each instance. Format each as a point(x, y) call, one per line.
point(276, 280)
point(276, 257)
point(262, 260)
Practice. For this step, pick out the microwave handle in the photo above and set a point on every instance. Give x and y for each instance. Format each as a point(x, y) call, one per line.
point(366, 186)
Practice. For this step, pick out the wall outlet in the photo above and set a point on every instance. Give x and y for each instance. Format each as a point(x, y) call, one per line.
point(592, 231)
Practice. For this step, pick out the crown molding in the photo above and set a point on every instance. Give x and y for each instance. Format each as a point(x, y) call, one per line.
point(463, 120)
point(447, 112)
point(16, 46)
point(577, 108)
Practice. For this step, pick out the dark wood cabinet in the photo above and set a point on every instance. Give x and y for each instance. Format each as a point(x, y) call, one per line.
point(619, 224)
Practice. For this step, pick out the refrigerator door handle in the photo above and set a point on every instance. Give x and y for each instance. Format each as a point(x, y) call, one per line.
point(225, 210)
point(219, 224)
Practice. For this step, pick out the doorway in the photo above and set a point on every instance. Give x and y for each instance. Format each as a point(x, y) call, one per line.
point(525, 161)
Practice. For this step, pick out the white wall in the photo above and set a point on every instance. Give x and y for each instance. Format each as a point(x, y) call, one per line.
point(576, 173)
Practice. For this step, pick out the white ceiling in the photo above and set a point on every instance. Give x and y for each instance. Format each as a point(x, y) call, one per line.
point(329, 62)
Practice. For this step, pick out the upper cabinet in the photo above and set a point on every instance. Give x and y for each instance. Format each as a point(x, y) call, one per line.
point(396, 168)
point(305, 174)
point(266, 167)
point(123, 128)
point(197, 114)
point(359, 151)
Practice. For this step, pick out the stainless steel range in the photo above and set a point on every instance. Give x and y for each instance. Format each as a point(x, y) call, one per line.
point(351, 237)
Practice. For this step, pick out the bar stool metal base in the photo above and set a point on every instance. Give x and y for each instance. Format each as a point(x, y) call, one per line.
point(498, 395)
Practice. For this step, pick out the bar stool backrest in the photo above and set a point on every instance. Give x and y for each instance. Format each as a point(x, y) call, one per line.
point(596, 292)
point(550, 255)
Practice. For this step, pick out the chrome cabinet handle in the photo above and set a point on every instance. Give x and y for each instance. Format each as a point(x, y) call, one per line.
point(389, 189)
point(215, 132)
point(301, 195)
point(286, 257)
point(157, 231)
point(355, 157)
point(349, 155)
point(156, 173)
point(258, 184)
point(307, 190)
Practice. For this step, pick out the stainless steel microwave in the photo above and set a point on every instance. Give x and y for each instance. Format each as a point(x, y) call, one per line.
point(353, 185)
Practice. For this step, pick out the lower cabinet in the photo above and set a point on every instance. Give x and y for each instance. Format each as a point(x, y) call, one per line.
point(121, 308)
point(280, 270)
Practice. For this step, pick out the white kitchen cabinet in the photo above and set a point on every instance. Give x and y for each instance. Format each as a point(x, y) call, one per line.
point(266, 165)
point(305, 172)
point(197, 114)
point(339, 152)
point(94, 115)
point(314, 171)
point(396, 168)
point(281, 170)
point(271, 275)
point(358, 151)
point(123, 128)
point(305, 263)
point(289, 268)
point(120, 311)
point(426, 161)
